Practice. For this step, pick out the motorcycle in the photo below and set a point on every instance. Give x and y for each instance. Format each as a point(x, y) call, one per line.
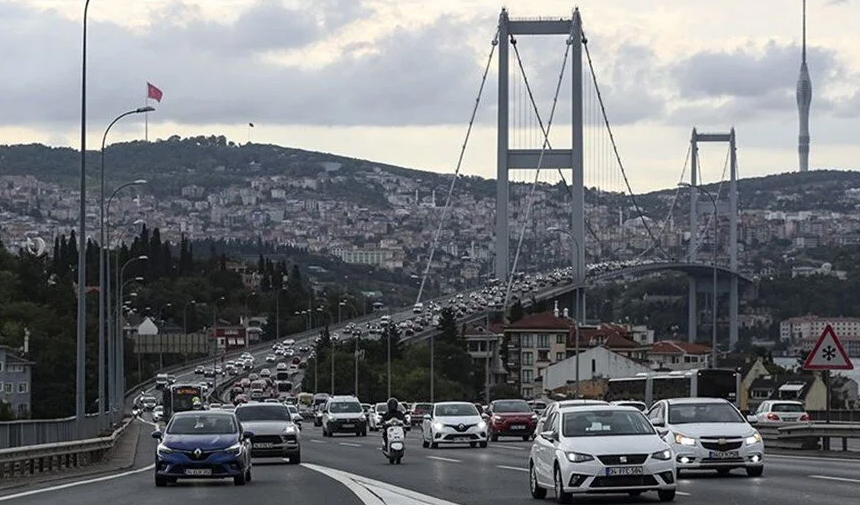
point(396, 446)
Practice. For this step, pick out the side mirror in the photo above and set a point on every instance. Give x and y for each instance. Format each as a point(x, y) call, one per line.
point(662, 432)
point(752, 419)
point(549, 435)
point(157, 435)
point(247, 435)
point(427, 417)
point(657, 423)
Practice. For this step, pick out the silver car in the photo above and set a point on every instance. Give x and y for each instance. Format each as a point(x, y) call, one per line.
point(275, 433)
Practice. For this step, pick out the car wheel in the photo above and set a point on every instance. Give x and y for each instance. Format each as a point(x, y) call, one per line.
point(240, 479)
point(526, 438)
point(473, 444)
point(722, 472)
point(425, 444)
point(666, 494)
point(560, 495)
point(494, 437)
point(248, 475)
point(434, 445)
point(160, 481)
point(755, 471)
point(538, 492)
point(482, 445)
point(296, 458)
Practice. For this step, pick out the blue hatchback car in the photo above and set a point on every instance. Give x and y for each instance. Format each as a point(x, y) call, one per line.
point(203, 445)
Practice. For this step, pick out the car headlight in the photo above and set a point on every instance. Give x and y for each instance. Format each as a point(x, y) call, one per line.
point(482, 425)
point(578, 457)
point(438, 426)
point(535, 417)
point(163, 450)
point(664, 455)
point(234, 449)
point(753, 439)
point(362, 418)
point(682, 439)
point(290, 429)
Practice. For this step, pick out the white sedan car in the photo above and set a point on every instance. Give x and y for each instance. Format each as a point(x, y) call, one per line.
point(709, 434)
point(603, 449)
point(781, 411)
point(454, 423)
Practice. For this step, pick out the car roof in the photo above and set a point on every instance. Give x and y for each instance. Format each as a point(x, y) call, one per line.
point(343, 398)
point(574, 403)
point(454, 403)
point(695, 401)
point(598, 407)
point(209, 413)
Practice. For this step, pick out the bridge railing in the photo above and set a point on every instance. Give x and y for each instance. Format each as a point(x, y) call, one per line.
point(808, 436)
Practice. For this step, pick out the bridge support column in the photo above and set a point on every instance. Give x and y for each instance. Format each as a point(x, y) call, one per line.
point(692, 310)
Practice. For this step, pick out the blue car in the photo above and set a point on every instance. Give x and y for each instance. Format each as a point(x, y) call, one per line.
point(203, 445)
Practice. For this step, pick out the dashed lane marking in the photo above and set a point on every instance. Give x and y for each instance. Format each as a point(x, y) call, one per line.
point(516, 468)
point(318, 441)
point(449, 460)
point(349, 444)
point(838, 479)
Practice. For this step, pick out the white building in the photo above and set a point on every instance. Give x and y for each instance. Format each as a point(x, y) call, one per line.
point(597, 362)
point(796, 329)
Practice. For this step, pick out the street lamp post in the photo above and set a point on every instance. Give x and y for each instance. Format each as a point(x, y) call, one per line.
point(117, 331)
point(102, 260)
point(576, 311)
point(120, 365)
point(714, 267)
point(160, 321)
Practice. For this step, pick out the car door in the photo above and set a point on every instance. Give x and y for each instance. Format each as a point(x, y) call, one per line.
point(542, 420)
point(545, 450)
point(426, 425)
point(657, 415)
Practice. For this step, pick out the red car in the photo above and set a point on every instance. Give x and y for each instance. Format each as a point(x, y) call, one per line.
point(511, 418)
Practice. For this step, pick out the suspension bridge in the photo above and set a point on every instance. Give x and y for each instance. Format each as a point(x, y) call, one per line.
point(563, 192)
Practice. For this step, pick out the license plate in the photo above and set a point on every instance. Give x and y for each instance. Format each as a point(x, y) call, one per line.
point(198, 472)
point(263, 445)
point(518, 426)
point(347, 426)
point(724, 455)
point(615, 471)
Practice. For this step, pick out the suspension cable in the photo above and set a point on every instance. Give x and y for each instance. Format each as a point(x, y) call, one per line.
point(435, 243)
point(615, 146)
point(713, 215)
point(674, 200)
point(544, 147)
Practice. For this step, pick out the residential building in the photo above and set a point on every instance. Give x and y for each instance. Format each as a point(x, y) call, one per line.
point(796, 329)
point(614, 337)
point(15, 382)
point(595, 363)
point(678, 355)
point(809, 389)
point(485, 343)
point(533, 343)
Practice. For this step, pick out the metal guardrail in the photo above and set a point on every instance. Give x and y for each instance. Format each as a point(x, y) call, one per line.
point(47, 431)
point(43, 458)
point(807, 436)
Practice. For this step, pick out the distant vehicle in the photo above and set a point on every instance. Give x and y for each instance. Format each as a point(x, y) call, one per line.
point(651, 387)
point(284, 386)
point(179, 398)
point(781, 411)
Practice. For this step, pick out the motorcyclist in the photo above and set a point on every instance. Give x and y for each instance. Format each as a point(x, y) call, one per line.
point(196, 404)
point(392, 413)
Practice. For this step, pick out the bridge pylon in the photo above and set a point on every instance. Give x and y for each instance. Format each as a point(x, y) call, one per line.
point(693, 246)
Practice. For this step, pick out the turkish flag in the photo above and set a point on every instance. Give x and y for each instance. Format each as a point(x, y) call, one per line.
point(153, 92)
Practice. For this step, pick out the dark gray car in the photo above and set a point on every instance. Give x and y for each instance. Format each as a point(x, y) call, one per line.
point(275, 434)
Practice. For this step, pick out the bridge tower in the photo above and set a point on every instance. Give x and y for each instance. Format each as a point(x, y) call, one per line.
point(510, 159)
point(697, 286)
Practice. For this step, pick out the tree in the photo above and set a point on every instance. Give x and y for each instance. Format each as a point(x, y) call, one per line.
point(517, 312)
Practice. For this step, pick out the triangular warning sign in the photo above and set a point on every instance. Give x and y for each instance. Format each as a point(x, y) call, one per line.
point(828, 353)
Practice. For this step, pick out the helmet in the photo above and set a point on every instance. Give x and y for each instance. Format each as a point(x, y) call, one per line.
point(393, 404)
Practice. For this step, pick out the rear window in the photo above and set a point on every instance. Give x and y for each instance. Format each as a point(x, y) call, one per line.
point(787, 407)
point(511, 406)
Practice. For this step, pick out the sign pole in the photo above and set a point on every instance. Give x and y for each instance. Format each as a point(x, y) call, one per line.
point(829, 392)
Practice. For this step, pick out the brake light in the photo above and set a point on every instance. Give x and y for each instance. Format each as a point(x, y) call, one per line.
point(804, 417)
point(772, 417)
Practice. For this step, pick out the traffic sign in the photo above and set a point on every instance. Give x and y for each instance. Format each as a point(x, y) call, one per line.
point(828, 353)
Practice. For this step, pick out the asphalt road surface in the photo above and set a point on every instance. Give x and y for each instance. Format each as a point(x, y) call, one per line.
point(348, 470)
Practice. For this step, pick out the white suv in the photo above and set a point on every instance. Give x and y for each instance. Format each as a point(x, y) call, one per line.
point(709, 434)
point(454, 423)
point(343, 414)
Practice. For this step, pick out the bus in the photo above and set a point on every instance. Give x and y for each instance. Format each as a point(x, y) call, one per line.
point(651, 387)
point(305, 400)
point(178, 398)
point(284, 386)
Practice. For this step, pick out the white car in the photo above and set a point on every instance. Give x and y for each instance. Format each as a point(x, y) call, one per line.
point(709, 434)
point(640, 406)
point(454, 423)
point(271, 358)
point(158, 413)
point(554, 406)
point(601, 449)
point(781, 411)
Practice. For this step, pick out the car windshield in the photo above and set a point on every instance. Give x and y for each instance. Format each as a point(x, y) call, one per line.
point(511, 406)
point(787, 407)
point(202, 424)
point(456, 409)
point(603, 423)
point(292, 409)
point(686, 413)
point(345, 408)
point(637, 405)
point(269, 412)
point(422, 407)
point(382, 408)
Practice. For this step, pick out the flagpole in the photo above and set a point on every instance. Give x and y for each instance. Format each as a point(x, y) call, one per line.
point(146, 117)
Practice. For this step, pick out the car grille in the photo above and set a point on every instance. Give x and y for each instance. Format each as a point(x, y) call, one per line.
point(623, 459)
point(624, 481)
point(273, 439)
point(460, 427)
point(725, 446)
point(195, 457)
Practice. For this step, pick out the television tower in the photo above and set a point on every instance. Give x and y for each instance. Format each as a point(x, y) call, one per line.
point(804, 99)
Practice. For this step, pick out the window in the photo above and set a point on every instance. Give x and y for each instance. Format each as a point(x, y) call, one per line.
point(22, 387)
point(16, 368)
point(528, 376)
point(528, 358)
point(559, 356)
point(527, 341)
point(543, 340)
point(8, 388)
point(543, 355)
point(527, 392)
point(559, 339)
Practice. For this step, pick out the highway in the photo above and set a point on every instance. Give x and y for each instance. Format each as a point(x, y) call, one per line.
point(348, 470)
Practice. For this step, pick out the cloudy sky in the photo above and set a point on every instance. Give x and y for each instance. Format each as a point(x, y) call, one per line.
point(395, 80)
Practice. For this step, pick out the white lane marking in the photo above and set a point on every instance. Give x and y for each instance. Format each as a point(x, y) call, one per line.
point(839, 479)
point(349, 444)
point(681, 493)
point(75, 484)
point(508, 447)
point(439, 458)
point(518, 469)
point(812, 458)
point(318, 441)
point(374, 492)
